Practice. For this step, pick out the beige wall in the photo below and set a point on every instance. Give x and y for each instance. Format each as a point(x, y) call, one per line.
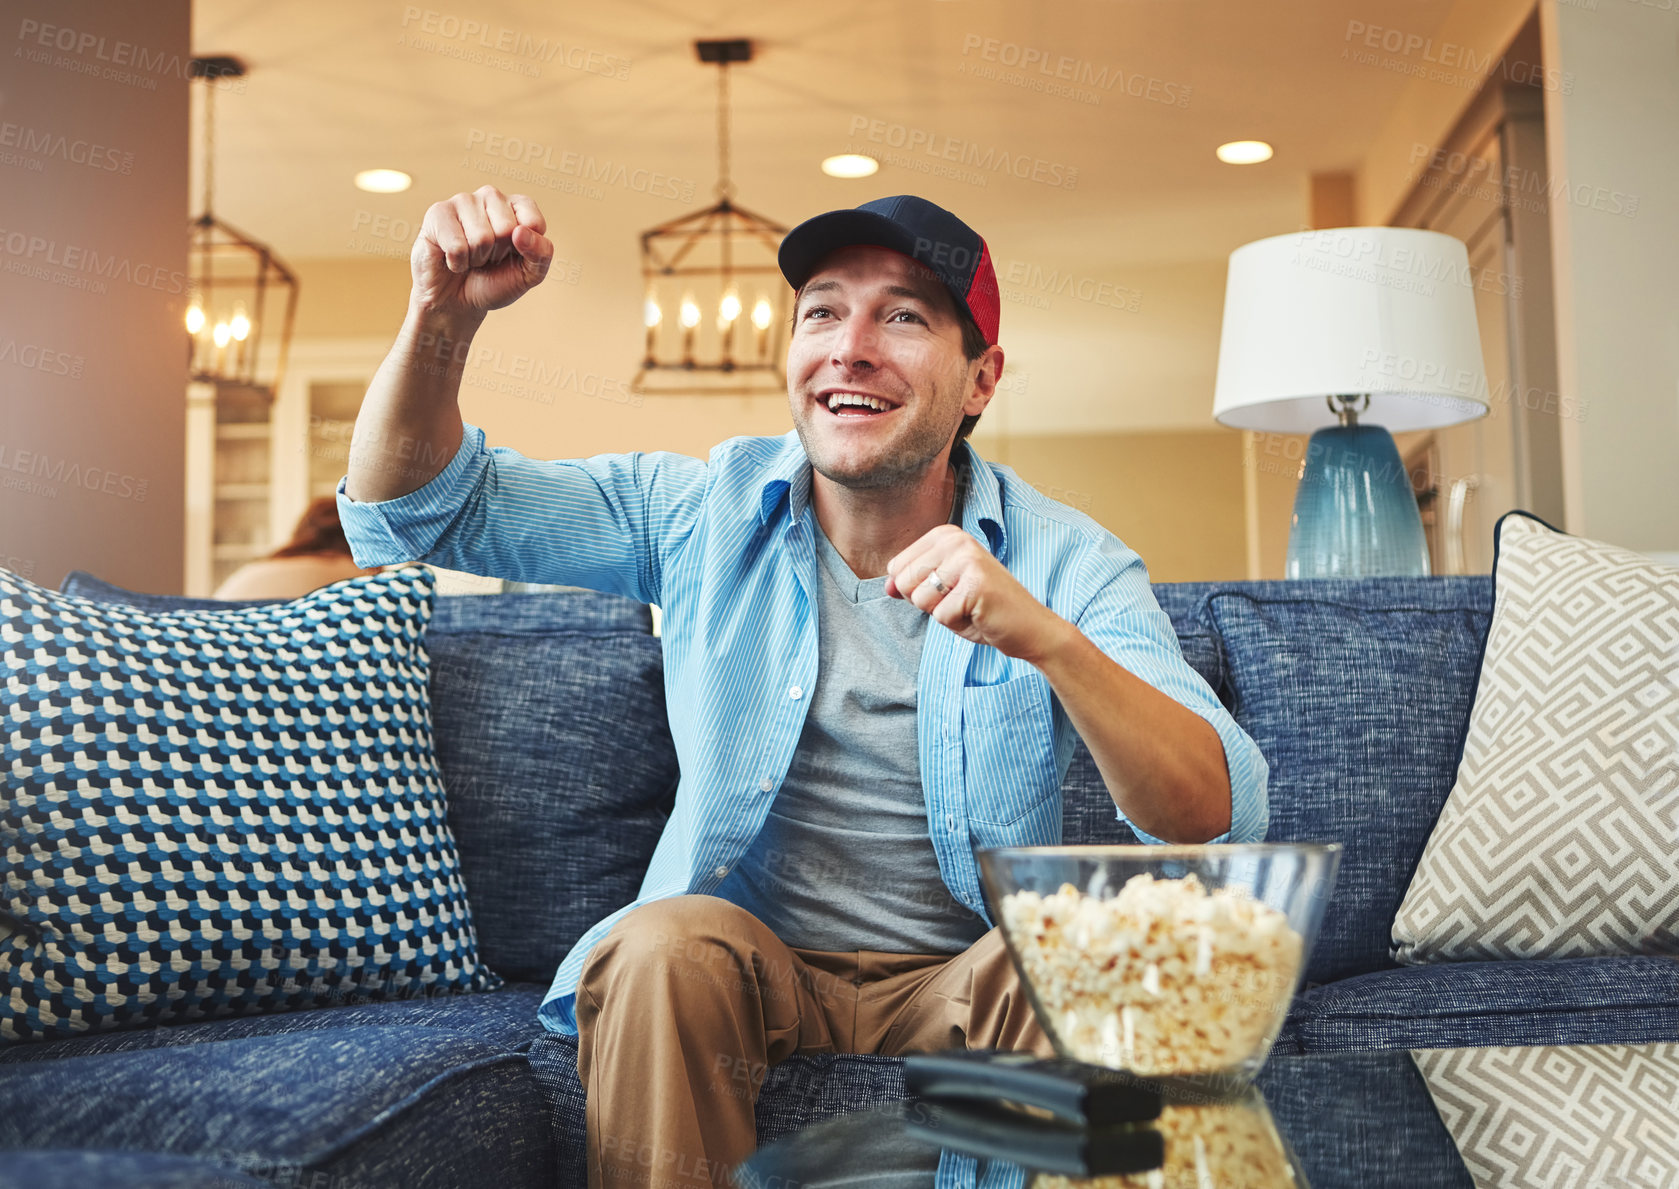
point(93, 237)
point(349, 298)
point(1274, 461)
point(1612, 141)
point(1174, 497)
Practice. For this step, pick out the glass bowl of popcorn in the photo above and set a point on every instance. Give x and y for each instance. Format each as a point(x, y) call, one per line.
point(1162, 960)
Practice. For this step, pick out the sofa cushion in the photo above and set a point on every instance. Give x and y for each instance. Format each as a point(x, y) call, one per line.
point(559, 764)
point(211, 813)
point(549, 716)
point(553, 1061)
point(505, 1018)
point(370, 1107)
point(1561, 836)
point(1627, 1000)
point(72, 1169)
point(1356, 691)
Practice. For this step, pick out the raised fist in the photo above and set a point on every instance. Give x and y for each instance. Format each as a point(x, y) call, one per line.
point(478, 252)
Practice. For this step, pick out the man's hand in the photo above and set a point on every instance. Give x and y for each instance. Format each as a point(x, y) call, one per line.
point(478, 252)
point(981, 601)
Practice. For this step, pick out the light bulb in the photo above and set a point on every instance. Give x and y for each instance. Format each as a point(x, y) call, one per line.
point(690, 313)
point(1243, 152)
point(383, 181)
point(761, 313)
point(728, 309)
point(223, 333)
point(849, 165)
point(195, 318)
point(241, 325)
point(651, 314)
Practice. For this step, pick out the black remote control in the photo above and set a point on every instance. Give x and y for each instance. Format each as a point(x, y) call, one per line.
point(1090, 1094)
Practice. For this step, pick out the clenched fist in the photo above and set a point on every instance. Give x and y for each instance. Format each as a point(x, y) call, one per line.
point(479, 252)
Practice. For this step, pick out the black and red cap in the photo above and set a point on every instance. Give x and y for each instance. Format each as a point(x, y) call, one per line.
point(914, 227)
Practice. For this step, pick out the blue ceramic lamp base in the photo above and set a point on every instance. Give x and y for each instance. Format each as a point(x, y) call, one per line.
point(1355, 515)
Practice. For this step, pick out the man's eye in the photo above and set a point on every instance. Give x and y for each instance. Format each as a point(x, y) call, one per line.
point(908, 314)
point(815, 310)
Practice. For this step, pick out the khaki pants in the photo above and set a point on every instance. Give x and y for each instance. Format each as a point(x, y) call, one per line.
point(687, 1002)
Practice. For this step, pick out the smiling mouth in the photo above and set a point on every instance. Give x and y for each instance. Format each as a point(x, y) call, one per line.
point(854, 406)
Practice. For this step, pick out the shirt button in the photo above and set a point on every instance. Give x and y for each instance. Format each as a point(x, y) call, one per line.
point(720, 872)
point(794, 691)
point(765, 785)
point(949, 821)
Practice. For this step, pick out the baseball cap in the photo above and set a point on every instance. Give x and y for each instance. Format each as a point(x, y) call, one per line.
point(914, 227)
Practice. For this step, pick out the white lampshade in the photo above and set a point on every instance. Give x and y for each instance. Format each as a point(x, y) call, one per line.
point(1388, 311)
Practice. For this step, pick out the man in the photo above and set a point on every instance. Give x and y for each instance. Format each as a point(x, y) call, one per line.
point(877, 651)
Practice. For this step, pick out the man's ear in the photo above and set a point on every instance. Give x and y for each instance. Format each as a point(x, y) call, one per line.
point(985, 380)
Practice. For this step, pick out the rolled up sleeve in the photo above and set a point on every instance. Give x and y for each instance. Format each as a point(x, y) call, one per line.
point(608, 522)
point(407, 528)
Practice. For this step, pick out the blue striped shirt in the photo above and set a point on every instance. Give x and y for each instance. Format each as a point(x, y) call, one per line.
point(724, 548)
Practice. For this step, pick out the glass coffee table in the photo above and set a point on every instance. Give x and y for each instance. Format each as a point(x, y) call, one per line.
point(1362, 1120)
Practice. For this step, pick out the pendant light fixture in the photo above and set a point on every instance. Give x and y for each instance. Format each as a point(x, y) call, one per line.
point(716, 306)
point(243, 297)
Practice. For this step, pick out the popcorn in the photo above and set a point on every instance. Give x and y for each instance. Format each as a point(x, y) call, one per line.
point(1164, 978)
point(1229, 1146)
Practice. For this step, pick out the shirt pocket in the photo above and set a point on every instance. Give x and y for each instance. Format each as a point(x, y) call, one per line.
point(1008, 749)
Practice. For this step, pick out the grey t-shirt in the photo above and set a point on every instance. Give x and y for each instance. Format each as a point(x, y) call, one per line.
point(844, 861)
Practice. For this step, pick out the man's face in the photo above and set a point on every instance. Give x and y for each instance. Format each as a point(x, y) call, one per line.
point(873, 324)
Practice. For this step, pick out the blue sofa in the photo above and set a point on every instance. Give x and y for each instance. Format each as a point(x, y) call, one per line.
point(550, 727)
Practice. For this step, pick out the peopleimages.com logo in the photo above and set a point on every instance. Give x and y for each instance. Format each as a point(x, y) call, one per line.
point(42, 469)
point(37, 252)
point(34, 357)
point(982, 160)
point(42, 143)
point(111, 59)
point(518, 159)
point(1035, 69)
point(485, 44)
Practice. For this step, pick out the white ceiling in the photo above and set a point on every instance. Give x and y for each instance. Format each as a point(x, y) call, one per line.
point(336, 86)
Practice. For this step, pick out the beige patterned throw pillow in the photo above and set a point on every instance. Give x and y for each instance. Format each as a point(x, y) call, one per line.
point(1561, 836)
point(1556, 1117)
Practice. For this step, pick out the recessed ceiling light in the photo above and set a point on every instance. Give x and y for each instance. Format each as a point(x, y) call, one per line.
point(383, 181)
point(1244, 152)
point(850, 165)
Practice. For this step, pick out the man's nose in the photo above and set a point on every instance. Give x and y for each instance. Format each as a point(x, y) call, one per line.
point(856, 344)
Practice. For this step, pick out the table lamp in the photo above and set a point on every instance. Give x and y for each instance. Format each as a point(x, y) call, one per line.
point(1354, 333)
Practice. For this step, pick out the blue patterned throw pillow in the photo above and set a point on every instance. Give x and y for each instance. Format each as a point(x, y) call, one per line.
point(221, 812)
